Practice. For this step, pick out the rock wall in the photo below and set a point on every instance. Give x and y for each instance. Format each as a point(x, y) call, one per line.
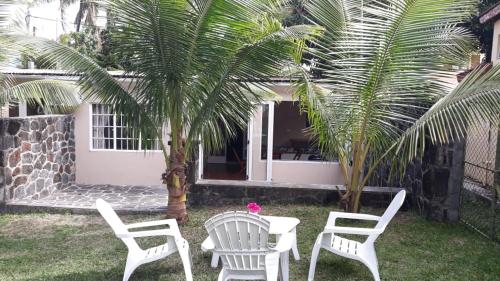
point(37, 155)
point(434, 181)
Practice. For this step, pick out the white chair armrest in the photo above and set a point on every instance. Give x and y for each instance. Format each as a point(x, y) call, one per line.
point(147, 233)
point(170, 223)
point(356, 216)
point(352, 230)
point(285, 243)
point(207, 245)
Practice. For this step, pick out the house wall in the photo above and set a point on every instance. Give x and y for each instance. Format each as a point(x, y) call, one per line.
point(112, 167)
point(481, 147)
point(495, 51)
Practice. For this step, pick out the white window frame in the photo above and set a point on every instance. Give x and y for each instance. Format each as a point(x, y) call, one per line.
point(270, 146)
point(115, 119)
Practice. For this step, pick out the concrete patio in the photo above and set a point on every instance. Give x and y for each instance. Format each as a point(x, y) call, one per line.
point(79, 198)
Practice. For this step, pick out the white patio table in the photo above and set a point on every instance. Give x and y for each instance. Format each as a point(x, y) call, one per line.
point(277, 226)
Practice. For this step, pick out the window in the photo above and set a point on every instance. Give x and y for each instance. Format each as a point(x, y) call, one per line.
point(291, 139)
point(109, 132)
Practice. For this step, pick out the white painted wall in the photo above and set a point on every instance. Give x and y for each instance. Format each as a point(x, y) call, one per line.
point(495, 51)
point(112, 167)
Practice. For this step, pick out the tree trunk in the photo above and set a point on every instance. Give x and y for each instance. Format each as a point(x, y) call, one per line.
point(176, 180)
point(350, 201)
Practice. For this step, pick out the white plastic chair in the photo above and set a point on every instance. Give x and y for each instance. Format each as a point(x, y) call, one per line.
point(136, 255)
point(363, 252)
point(240, 240)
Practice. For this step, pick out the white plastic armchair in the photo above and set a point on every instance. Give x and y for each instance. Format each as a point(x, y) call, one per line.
point(363, 252)
point(136, 255)
point(240, 240)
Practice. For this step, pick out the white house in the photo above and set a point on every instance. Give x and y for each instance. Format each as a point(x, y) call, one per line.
point(274, 147)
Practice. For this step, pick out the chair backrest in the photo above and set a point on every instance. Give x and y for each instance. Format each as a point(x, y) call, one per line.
point(240, 239)
point(114, 221)
point(389, 213)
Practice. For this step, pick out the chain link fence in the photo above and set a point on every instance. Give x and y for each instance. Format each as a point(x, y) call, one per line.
point(479, 203)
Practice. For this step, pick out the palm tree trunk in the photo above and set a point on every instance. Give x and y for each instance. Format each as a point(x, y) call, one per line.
point(176, 180)
point(350, 200)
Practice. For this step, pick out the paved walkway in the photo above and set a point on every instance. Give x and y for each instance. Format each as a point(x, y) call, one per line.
point(81, 199)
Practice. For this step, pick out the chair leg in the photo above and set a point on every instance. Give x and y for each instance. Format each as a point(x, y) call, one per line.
point(222, 275)
point(370, 260)
point(129, 269)
point(374, 271)
point(183, 249)
point(215, 260)
point(284, 260)
point(314, 257)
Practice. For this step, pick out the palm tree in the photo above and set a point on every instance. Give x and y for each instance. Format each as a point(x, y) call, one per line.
point(198, 66)
point(387, 84)
point(51, 95)
point(87, 12)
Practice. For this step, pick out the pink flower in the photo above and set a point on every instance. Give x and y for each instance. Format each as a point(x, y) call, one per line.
point(254, 208)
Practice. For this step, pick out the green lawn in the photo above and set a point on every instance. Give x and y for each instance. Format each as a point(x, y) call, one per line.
point(82, 247)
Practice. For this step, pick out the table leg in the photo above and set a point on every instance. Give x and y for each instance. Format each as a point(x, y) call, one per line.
point(295, 249)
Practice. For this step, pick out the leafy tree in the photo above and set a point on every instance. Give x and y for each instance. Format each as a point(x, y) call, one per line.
point(484, 32)
point(191, 63)
point(52, 95)
point(86, 44)
point(387, 83)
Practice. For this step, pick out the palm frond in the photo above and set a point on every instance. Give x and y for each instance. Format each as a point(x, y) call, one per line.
point(52, 95)
point(388, 62)
point(473, 102)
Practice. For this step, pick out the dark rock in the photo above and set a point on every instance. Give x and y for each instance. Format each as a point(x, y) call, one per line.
point(38, 165)
point(49, 143)
point(7, 176)
point(20, 180)
point(56, 178)
point(34, 125)
point(17, 141)
point(27, 158)
point(6, 142)
point(47, 166)
point(14, 158)
point(65, 179)
point(27, 169)
point(35, 147)
point(13, 127)
point(25, 146)
point(67, 169)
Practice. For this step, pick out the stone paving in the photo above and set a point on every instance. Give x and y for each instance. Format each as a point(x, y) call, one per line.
point(81, 198)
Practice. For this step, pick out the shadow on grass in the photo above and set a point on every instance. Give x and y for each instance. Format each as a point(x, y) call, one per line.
point(143, 273)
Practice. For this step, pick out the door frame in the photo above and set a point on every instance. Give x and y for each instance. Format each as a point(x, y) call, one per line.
point(248, 171)
point(270, 135)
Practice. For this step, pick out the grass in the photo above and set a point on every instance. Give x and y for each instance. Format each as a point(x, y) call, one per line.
point(77, 247)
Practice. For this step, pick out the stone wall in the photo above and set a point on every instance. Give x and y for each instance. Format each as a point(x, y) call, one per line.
point(219, 193)
point(434, 181)
point(37, 155)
